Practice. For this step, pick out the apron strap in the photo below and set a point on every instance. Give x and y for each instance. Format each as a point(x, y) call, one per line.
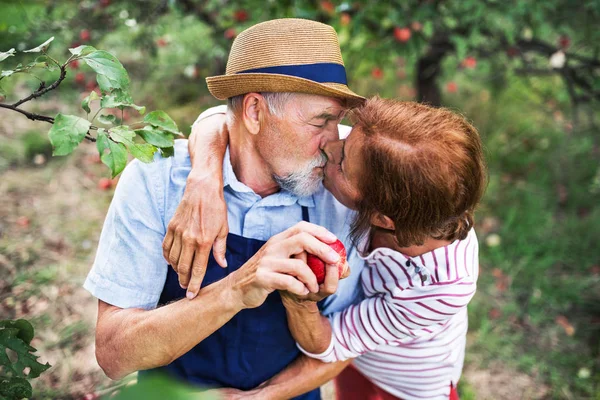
point(305, 214)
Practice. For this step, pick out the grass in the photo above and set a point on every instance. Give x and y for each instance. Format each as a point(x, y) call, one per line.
point(540, 281)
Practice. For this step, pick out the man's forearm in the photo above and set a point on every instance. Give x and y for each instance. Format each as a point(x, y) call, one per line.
point(309, 328)
point(129, 340)
point(301, 376)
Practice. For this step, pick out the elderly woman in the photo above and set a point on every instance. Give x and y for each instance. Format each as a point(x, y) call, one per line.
point(414, 174)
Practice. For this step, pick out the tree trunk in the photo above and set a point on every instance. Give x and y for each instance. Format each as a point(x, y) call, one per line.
point(429, 68)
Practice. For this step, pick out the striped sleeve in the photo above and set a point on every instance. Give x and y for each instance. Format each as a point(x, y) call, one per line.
point(395, 317)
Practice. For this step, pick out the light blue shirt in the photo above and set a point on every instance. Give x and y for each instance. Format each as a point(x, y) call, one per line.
point(129, 270)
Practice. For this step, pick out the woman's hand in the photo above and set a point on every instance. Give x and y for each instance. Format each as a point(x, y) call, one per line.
point(200, 221)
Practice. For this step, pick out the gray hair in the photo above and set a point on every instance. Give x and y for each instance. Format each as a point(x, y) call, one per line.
point(275, 102)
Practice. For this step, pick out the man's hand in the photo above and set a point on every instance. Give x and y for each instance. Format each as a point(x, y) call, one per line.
point(326, 289)
point(275, 268)
point(200, 221)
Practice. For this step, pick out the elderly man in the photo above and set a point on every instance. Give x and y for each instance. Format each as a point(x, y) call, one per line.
point(287, 91)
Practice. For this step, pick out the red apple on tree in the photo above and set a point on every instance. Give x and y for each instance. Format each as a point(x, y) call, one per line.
point(345, 19)
point(240, 15)
point(85, 35)
point(328, 7)
point(318, 266)
point(377, 73)
point(74, 64)
point(469, 62)
point(79, 78)
point(451, 87)
point(564, 41)
point(230, 33)
point(402, 34)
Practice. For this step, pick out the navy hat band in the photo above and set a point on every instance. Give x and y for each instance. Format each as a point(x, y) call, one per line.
point(319, 72)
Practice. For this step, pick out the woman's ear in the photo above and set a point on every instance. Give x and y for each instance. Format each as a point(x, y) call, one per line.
point(251, 112)
point(383, 221)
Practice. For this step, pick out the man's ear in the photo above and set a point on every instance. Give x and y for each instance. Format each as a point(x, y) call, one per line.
point(383, 221)
point(252, 112)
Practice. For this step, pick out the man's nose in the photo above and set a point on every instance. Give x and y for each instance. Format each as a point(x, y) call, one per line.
point(330, 149)
point(330, 135)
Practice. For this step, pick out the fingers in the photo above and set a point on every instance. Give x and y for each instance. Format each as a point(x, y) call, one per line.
point(278, 281)
point(306, 242)
point(175, 251)
point(198, 272)
point(167, 243)
point(220, 246)
point(331, 280)
point(185, 262)
point(346, 272)
point(298, 269)
point(317, 231)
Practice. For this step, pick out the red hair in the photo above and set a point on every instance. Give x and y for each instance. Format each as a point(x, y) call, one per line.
point(423, 168)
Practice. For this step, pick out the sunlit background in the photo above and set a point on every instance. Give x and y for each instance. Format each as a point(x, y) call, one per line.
point(526, 73)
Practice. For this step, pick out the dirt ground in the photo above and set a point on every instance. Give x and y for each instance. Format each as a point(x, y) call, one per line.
point(50, 220)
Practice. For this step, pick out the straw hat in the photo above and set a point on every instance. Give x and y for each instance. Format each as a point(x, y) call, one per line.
point(285, 55)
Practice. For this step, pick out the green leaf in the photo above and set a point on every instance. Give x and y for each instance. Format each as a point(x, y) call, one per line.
point(6, 73)
point(85, 104)
point(107, 119)
point(122, 134)
point(41, 47)
point(157, 137)
point(106, 64)
point(116, 157)
point(167, 151)
point(9, 339)
point(82, 50)
point(162, 120)
point(25, 328)
point(120, 99)
point(143, 152)
point(14, 388)
point(67, 132)
point(5, 55)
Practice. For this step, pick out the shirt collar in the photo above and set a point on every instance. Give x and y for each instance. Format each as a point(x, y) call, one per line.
point(281, 198)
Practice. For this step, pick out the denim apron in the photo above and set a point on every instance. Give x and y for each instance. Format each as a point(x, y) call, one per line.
point(250, 348)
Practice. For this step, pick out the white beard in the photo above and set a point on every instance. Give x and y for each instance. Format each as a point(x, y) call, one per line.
point(302, 182)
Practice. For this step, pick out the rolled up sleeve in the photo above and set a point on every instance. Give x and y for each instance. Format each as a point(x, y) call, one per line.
point(129, 270)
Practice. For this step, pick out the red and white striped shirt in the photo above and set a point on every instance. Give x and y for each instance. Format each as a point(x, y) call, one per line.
point(410, 330)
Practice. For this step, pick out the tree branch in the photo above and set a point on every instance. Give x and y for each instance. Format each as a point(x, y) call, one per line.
point(43, 90)
point(38, 117)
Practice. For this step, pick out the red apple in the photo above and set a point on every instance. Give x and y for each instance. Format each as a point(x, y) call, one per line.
point(469, 62)
point(161, 42)
point(451, 87)
point(402, 34)
point(377, 73)
point(318, 266)
point(84, 35)
point(74, 64)
point(564, 41)
point(240, 15)
point(91, 85)
point(230, 33)
point(345, 19)
point(105, 3)
point(104, 184)
point(328, 7)
point(80, 78)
